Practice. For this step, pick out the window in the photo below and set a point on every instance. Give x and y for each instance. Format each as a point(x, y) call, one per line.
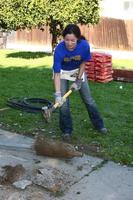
point(128, 5)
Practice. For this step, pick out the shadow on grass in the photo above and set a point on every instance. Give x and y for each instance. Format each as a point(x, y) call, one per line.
point(28, 55)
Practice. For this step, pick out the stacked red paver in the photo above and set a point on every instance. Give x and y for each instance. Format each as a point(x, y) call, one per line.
point(99, 68)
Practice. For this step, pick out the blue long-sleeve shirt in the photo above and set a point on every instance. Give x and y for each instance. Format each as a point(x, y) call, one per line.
point(70, 60)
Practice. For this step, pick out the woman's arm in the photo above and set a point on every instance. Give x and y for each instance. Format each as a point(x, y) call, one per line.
point(57, 94)
point(86, 57)
point(81, 70)
point(57, 82)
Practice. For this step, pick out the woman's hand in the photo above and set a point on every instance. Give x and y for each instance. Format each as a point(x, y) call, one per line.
point(76, 85)
point(59, 99)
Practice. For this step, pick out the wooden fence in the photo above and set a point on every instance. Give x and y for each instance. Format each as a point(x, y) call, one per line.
point(34, 36)
point(108, 33)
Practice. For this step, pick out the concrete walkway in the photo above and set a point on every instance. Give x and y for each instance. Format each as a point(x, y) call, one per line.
point(83, 178)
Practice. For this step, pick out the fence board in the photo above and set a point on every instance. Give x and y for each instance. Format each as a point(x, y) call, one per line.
point(108, 33)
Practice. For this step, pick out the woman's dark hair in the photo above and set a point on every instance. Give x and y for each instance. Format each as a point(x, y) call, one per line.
point(73, 29)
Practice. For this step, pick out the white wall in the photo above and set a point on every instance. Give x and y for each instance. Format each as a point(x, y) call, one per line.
point(120, 9)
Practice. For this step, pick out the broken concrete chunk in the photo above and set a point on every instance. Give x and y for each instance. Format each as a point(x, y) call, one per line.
point(22, 184)
point(52, 179)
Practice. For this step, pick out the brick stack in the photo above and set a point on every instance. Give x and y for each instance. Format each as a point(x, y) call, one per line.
point(90, 69)
point(99, 68)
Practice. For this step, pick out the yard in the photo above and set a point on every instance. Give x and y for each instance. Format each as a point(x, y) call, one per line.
point(26, 74)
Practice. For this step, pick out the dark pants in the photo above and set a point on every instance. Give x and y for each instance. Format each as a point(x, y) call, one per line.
point(65, 115)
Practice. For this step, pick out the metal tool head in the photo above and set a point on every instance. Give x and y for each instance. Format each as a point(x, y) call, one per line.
point(47, 111)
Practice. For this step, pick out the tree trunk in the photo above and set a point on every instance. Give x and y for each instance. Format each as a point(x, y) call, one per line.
point(54, 41)
point(3, 40)
point(55, 29)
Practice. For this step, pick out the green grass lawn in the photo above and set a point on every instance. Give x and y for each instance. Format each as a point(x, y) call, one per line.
point(26, 74)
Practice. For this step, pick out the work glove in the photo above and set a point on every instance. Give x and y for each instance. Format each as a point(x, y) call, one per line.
point(76, 85)
point(59, 99)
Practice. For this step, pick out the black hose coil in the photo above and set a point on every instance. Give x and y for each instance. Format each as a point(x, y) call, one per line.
point(26, 104)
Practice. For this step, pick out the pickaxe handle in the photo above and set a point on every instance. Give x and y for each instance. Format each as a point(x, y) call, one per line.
point(64, 97)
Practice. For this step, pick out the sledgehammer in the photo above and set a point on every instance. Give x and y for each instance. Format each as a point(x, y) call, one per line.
point(47, 111)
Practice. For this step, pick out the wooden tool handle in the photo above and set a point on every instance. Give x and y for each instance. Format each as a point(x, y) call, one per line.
point(67, 94)
point(64, 97)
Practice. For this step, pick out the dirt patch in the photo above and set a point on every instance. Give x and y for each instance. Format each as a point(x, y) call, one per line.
point(54, 148)
point(92, 149)
point(10, 174)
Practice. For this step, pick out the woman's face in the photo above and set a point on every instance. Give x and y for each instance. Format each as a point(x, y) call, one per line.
point(70, 41)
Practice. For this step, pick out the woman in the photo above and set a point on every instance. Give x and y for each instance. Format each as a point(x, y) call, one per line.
point(69, 65)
